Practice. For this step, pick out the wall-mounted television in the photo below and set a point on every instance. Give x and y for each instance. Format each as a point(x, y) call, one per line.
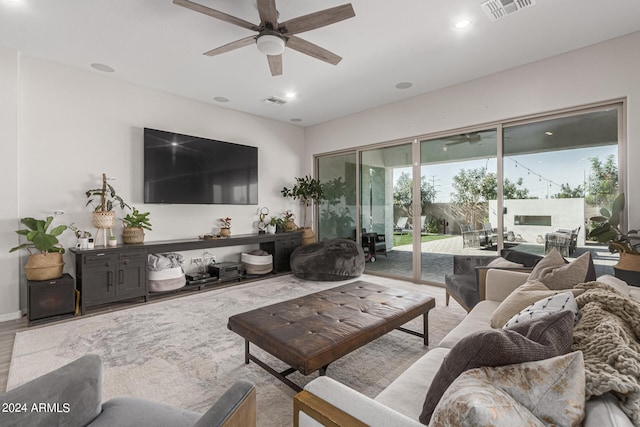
point(183, 169)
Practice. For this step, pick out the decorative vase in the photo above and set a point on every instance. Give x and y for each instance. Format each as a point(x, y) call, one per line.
point(271, 229)
point(104, 219)
point(225, 232)
point(308, 236)
point(112, 243)
point(132, 235)
point(290, 226)
point(44, 266)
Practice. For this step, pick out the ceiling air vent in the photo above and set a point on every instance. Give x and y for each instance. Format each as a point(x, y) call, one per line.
point(496, 9)
point(274, 100)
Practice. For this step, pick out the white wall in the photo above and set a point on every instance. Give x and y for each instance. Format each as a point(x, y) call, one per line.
point(598, 73)
point(76, 124)
point(9, 270)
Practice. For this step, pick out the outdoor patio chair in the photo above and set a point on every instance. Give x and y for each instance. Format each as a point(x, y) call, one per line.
point(401, 225)
point(470, 237)
point(562, 239)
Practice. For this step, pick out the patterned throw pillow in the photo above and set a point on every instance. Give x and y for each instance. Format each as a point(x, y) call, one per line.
point(546, 392)
point(537, 339)
point(556, 274)
point(545, 307)
point(520, 299)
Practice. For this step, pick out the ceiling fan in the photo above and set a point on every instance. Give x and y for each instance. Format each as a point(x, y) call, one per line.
point(471, 138)
point(272, 36)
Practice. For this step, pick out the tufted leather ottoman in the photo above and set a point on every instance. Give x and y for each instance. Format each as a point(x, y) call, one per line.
point(310, 332)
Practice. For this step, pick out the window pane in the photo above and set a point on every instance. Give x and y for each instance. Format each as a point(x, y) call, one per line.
point(338, 210)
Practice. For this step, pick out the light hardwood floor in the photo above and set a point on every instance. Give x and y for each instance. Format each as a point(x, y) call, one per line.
point(7, 336)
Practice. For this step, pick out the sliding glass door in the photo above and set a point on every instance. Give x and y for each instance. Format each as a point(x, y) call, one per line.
point(525, 185)
point(460, 177)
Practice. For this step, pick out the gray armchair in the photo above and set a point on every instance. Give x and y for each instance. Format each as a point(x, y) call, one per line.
point(72, 395)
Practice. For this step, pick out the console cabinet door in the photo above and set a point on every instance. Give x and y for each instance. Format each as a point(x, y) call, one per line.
point(98, 279)
point(283, 249)
point(132, 275)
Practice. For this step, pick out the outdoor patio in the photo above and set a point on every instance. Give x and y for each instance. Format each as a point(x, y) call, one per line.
point(437, 258)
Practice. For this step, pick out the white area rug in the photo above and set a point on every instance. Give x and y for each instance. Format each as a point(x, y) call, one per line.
point(180, 351)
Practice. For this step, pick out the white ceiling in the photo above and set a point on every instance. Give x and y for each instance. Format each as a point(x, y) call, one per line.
point(157, 44)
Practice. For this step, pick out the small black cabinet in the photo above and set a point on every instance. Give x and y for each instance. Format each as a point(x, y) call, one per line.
point(105, 277)
point(51, 299)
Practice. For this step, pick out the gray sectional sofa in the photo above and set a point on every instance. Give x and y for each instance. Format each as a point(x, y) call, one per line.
point(401, 403)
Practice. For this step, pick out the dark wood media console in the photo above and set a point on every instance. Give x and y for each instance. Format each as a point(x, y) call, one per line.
point(112, 274)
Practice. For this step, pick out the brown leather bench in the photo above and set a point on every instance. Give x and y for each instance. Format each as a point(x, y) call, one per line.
point(310, 332)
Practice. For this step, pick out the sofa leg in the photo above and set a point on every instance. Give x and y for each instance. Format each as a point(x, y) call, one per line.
point(446, 298)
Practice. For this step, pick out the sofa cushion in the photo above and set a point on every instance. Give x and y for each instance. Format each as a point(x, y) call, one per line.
point(545, 307)
point(406, 393)
point(536, 339)
point(503, 263)
point(477, 320)
point(545, 392)
point(132, 411)
point(520, 299)
point(555, 273)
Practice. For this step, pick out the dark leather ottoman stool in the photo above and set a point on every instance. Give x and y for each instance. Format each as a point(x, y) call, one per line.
point(310, 332)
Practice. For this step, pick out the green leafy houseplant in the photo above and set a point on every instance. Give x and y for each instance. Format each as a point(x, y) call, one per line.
point(108, 198)
point(134, 225)
point(606, 229)
point(136, 219)
point(38, 236)
point(306, 190)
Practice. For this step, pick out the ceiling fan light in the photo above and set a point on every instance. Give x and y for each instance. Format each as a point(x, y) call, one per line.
point(270, 45)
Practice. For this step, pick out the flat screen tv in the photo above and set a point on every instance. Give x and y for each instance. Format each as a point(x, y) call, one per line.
point(182, 169)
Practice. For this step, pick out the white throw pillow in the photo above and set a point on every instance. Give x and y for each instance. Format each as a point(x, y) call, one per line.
point(617, 284)
point(545, 307)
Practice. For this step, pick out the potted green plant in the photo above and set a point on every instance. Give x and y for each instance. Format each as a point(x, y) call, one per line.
point(103, 214)
point(134, 225)
point(307, 191)
point(273, 224)
point(48, 263)
point(606, 229)
point(288, 221)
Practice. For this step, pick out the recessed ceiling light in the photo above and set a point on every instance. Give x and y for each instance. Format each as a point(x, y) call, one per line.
point(548, 133)
point(296, 120)
point(102, 67)
point(404, 85)
point(462, 23)
point(221, 99)
point(290, 95)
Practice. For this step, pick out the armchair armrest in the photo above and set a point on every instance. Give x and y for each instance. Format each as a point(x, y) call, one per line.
point(500, 283)
point(326, 402)
point(236, 407)
point(75, 390)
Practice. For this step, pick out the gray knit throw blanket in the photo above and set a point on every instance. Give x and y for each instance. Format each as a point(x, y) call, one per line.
point(608, 335)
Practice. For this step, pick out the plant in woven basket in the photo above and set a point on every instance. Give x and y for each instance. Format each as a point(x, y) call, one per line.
point(107, 198)
point(48, 263)
point(134, 225)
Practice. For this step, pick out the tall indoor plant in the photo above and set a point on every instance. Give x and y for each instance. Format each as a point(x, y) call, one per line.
point(48, 263)
point(606, 229)
point(307, 191)
point(103, 214)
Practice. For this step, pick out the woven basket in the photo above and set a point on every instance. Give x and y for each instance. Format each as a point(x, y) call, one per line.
point(45, 266)
point(131, 235)
point(104, 219)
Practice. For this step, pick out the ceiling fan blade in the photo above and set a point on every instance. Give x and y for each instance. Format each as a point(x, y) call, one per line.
point(317, 19)
point(232, 46)
point(216, 14)
point(308, 48)
point(275, 64)
point(268, 13)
